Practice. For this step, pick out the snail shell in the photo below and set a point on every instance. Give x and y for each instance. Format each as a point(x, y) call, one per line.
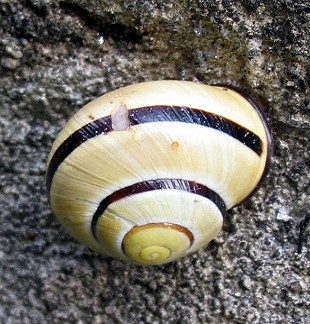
point(146, 173)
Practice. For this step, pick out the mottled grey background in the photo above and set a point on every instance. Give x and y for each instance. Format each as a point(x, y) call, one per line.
point(57, 55)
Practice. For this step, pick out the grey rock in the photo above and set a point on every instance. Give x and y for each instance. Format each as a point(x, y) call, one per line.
point(56, 56)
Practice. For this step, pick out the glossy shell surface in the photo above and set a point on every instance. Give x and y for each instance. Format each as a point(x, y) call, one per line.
point(146, 173)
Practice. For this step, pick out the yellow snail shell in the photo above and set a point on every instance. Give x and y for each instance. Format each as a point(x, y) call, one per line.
point(147, 172)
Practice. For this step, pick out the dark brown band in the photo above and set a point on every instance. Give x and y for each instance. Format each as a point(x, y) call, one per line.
point(152, 114)
point(158, 184)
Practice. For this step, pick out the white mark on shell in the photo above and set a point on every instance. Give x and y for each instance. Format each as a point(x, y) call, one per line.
point(120, 120)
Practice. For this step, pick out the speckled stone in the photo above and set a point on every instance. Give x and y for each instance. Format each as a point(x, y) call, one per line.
point(56, 56)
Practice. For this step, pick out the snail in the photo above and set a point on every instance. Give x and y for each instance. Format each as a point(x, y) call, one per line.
point(146, 173)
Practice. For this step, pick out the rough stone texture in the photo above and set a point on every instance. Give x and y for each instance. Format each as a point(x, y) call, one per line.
point(57, 55)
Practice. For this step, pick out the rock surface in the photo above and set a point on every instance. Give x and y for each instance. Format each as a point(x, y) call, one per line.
point(57, 55)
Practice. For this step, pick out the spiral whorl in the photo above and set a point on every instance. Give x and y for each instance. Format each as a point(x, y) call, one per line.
point(158, 243)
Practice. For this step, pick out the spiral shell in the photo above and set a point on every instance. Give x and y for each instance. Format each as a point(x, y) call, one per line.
point(146, 173)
